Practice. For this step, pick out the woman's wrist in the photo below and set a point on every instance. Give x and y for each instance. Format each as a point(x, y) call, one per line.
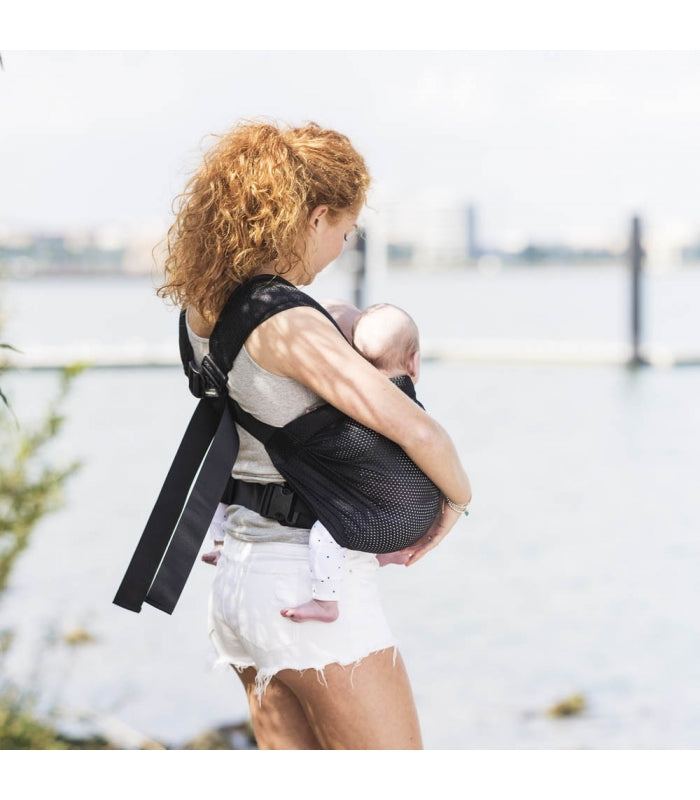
point(458, 508)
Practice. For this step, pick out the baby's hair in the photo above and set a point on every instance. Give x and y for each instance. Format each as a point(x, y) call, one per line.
point(386, 336)
point(246, 207)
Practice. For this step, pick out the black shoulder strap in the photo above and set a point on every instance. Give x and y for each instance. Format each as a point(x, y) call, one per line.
point(249, 306)
point(186, 351)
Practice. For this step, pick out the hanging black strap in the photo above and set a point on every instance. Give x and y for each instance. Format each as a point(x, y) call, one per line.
point(208, 423)
point(191, 529)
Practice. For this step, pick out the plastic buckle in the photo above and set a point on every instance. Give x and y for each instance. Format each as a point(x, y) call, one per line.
point(194, 376)
point(214, 377)
point(207, 380)
point(277, 503)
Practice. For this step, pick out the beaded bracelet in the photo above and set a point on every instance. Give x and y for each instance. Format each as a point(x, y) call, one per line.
point(460, 508)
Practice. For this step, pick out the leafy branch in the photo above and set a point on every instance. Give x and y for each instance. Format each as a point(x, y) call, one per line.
point(29, 487)
point(5, 346)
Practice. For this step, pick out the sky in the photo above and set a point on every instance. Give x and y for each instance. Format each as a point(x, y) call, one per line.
point(548, 145)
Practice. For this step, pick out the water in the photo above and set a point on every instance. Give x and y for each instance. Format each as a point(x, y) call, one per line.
point(576, 571)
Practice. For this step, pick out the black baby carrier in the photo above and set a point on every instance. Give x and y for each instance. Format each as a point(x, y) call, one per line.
point(359, 484)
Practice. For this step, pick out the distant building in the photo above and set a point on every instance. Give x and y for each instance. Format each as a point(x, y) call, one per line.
point(473, 250)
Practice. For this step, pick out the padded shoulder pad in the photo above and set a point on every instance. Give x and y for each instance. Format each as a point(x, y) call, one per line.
point(249, 305)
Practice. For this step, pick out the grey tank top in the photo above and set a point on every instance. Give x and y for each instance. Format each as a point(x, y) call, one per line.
point(272, 399)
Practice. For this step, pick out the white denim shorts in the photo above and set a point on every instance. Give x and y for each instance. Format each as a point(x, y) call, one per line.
point(255, 581)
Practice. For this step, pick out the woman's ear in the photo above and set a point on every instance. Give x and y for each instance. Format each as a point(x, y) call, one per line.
point(317, 215)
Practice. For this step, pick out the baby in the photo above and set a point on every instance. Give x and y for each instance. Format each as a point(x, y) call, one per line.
point(388, 338)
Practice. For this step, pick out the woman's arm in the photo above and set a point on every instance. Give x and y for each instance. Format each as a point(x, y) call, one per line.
point(302, 344)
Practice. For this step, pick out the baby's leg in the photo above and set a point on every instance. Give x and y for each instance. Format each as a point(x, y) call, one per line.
point(326, 563)
point(320, 610)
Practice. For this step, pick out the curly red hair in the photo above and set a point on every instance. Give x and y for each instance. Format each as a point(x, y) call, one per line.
point(246, 207)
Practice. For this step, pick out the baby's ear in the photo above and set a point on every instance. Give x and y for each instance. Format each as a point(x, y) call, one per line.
point(413, 366)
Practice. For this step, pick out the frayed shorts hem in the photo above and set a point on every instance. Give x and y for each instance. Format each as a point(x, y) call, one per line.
point(264, 676)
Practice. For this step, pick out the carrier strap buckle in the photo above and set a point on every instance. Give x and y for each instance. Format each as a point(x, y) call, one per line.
point(277, 502)
point(207, 380)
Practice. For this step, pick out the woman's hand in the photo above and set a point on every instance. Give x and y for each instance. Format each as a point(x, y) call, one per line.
point(442, 525)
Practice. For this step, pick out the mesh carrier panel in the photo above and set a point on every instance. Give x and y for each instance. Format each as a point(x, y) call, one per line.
point(363, 487)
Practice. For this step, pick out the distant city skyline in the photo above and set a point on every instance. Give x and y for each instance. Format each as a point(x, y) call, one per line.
point(449, 241)
point(547, 146)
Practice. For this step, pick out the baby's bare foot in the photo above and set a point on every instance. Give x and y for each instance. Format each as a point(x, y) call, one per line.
point(392, 558)
point(321, 610)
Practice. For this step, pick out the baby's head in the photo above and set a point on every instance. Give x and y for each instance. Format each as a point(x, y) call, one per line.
point(388, 338)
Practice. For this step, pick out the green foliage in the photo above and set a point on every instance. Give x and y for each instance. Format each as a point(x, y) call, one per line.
point(21, 730)
point(29, 487)
point(5, 346)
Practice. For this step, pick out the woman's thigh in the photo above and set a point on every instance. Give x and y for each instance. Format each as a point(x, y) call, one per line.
point(278, 719)
point(364, 706)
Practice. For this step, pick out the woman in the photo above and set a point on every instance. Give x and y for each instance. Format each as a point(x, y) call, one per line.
point(271, 200)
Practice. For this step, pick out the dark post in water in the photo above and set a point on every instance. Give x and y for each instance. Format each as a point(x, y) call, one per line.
point(636, 255)
point(360, 271)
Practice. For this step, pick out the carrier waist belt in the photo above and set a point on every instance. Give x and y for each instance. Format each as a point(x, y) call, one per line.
point(272, 500)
